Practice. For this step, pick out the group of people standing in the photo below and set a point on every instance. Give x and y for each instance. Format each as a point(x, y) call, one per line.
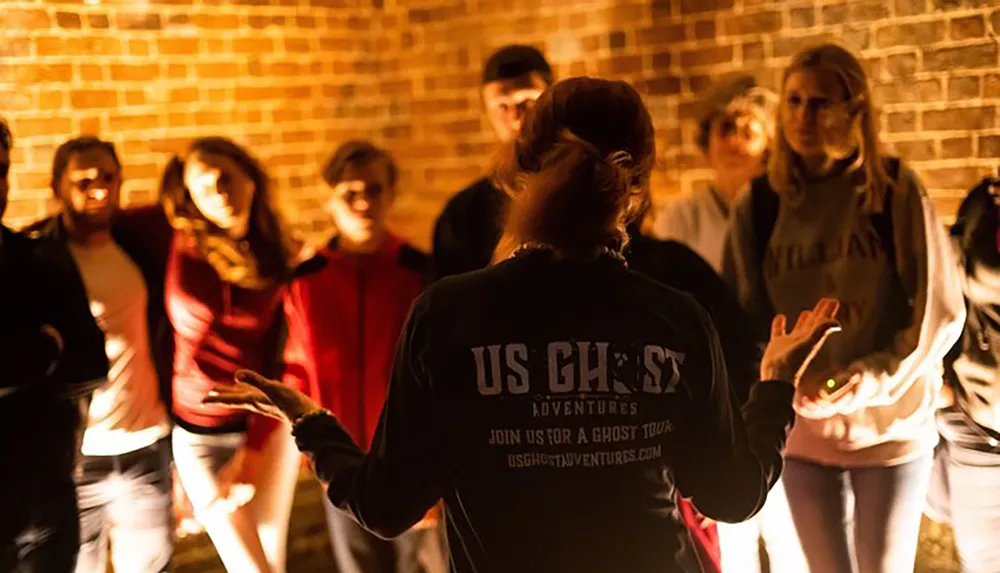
point(559, 384)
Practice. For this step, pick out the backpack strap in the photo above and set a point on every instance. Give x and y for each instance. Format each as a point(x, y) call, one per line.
point(882, 222)
point(764, 212)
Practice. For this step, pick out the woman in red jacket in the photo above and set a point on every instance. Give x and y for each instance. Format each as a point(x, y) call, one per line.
point(223, 292)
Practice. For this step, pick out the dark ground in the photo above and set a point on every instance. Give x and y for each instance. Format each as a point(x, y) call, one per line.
point(309, 551)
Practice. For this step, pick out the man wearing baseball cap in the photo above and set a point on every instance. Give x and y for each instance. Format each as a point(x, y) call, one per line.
point(467, 231)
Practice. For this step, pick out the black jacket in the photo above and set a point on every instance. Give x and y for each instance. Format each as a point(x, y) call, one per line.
point(972, 366)
point(38, 405)
point(469, 227)
point(556, 406)
point(145, 235)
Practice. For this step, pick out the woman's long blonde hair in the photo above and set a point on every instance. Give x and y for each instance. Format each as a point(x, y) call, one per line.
point(862, 140)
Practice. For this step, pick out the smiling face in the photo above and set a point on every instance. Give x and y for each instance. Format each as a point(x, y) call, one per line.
point(221, 190)
point(89, 188)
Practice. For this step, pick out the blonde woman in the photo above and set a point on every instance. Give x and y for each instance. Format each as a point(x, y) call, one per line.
point(834, 217)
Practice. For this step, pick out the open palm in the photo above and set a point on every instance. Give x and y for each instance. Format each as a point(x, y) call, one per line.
point(788, 354)
point(255, 393)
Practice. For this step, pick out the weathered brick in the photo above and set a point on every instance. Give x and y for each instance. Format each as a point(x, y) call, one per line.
point(139, 21)
point(989, 146)
point(902, 122)
point(964, 57)
point(69, 20)
point(177, 46)
point(969, 27)
point(802, 17)
point(991, 85)
point(867, 11)
point(756, 23)
point(952, 177)
point(98, 21)
point(92, 72)
point(697, 84)
point(88, 99)
point(617, 40)
point(135, 72)
point(754, 52)
point(37, 126)
point(856, 37)
point(834, 14)
point(706, 56)
point(24, 19)
point(135, 122)
point(954, 4)
point(216, 21)
point(966, 87)
point(914, 34)
point(665, 85)
point(916, 149)
point(662, 34)
point(661, 60)
point(908, 91)
point(910, 7)
point(696, 6)
point(901, 65)
point(623, 64)
point(705, 29)
point(956, 148)
point(956, 119)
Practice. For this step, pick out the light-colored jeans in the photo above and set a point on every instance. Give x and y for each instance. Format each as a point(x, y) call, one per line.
point(739, 542)
point(972, 481)
point(126, 499)
point(860, 520)
point(255, 537)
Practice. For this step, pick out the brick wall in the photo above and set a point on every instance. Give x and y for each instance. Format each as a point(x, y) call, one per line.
point(294, 77)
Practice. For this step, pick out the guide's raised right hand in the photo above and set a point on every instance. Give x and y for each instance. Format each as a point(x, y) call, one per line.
point(788, 354)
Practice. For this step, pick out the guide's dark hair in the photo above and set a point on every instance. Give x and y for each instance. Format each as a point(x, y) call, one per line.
point(579, 168)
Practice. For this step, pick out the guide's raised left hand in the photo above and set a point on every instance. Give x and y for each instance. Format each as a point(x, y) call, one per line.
point(252, 392)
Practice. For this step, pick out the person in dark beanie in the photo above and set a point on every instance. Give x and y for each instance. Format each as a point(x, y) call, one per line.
point(52, 352)
point(468, 228)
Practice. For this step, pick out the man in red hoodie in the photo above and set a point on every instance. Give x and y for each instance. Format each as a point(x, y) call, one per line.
point(345, 310)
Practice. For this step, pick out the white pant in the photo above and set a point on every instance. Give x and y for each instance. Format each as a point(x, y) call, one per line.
point(199, 458)
point(739, 542)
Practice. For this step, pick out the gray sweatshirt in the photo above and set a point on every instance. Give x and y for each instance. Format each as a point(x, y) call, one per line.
point(898, 324)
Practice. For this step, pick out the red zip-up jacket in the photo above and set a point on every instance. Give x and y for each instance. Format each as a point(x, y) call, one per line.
point(219, 328)
point(344, 314)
